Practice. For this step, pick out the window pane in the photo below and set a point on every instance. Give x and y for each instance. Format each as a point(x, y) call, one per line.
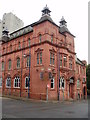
point(52, 83)
point(37, 58)
point(40, 38)
point(52, 38)
point(9, 67)
point(17, 82)
point(26, 82)
point(1, 82)
point(18, 62)
point(2, 65)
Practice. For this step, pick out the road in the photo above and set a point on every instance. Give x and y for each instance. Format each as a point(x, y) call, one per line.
point(12, 108)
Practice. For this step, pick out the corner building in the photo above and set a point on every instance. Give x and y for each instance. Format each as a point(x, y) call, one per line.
point(45, 52)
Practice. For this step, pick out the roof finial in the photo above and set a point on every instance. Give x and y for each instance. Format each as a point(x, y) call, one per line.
point(46, 11)
point(63, 22)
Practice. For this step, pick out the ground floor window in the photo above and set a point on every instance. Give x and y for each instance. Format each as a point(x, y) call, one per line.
point(8, 82)
point(52, 83)
point(17, 82)
point(0, 81)
point(26, 81)
point(61, 83)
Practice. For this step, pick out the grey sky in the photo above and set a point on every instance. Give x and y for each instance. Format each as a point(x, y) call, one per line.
point(75, 13)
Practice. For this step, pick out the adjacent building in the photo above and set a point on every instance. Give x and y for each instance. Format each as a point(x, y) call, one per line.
point(39, 61)
point(10, 22)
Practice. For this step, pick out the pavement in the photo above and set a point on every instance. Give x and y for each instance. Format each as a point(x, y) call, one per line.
point(16, 108)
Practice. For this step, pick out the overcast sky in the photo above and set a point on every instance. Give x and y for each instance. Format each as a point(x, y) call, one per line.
point(75, 13)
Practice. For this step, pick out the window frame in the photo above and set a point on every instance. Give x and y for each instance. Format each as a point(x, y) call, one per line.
point(18, 82)
point(60, 83)
point(9, 64)
point(40, 38)
point(64, 61)
point(8, 79)
point(53, 83)
point(18, 64)
point(26, 83)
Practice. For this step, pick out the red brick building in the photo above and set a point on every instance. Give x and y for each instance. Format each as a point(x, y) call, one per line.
point(45, 52)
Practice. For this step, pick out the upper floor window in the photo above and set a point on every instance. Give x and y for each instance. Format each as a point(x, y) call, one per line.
point(18, 62)
point(52, 83)
point(64, 61)
point(51, 38)
point(9, 66)
point(8, 82)
point(2, 65)
point(29, 42)
point(19, 46)
point(52, 58)
point(17, 82)
point(0, 81)
point(78, 83)
point(26, 81)
point(39, 58)
point(40, 38)
point(70, 63)
point(60, 60)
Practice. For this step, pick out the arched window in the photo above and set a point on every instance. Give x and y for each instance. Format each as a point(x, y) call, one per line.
point(18, 62)
point(8, 82)
point(26, 81)
point(2, 65)
point(61, 83)
point(52, 83)
point(0, 81)
point(9, 65)
point(17, 82)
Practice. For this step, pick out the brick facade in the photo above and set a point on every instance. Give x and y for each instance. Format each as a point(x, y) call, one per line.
point(53, 42)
